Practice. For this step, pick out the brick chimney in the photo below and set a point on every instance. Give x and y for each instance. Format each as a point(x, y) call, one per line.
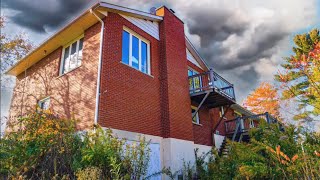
point(175, 99)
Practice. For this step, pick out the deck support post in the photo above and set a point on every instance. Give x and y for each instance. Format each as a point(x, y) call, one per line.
point(267, 117)
point(199, 106)
point(237, 128)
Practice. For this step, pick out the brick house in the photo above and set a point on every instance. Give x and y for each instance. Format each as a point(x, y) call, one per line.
point(133, 72)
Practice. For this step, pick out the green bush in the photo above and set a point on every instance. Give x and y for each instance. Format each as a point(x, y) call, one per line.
point(45, 147)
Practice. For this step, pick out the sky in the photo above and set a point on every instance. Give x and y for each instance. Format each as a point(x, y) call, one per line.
point(243, 40)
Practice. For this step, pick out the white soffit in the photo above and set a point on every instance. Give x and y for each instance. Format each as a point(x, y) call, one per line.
point(192, 59)
point(147, 26)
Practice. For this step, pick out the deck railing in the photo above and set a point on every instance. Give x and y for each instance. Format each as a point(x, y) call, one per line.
point(247, 122)
point(210, 80)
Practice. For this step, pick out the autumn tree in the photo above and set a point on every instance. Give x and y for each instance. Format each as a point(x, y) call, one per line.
point(300, 75)
point(12, 48)
point(314, 80)
point(263, 99)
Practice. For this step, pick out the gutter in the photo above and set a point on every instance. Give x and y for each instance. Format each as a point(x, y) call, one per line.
point(99, 70)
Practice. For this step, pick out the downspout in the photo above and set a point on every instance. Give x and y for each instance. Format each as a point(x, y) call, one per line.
point(99, 70)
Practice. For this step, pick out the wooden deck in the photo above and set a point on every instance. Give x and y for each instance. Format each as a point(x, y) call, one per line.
point(211, 89)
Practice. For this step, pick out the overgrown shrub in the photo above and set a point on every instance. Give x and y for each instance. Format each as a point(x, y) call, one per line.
point(270, 154)
point(46, 147)
point(42, 147)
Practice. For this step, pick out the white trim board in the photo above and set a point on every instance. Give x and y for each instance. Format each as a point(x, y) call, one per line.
point(192, 59)
point(150, 27)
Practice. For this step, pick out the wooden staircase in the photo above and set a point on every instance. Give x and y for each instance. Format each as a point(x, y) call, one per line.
point(224, 148)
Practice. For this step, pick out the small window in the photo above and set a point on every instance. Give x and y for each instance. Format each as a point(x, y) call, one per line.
point(221, 111)
point(251, 124)
point(44, 104)
point(135, 51)
point(71, 56)
point(196, 117)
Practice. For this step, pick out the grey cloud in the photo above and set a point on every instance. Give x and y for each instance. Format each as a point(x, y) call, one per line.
point(264, 39)
point(38, 15)
point(214, 25)
point(213, 32)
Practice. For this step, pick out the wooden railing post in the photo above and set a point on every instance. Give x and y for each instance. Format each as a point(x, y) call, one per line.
point(211, 77)
point(234, 95)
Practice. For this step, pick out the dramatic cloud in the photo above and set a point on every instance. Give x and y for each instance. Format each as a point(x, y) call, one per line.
point(243, 40)
point(38, 15)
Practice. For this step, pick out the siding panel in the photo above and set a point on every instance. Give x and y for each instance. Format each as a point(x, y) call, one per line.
point(152, 28)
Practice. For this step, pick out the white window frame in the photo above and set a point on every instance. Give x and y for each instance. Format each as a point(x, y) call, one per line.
point(221, 112)
point(197, 115)
point(141, 39)
point(61, 71)
point(44, 100)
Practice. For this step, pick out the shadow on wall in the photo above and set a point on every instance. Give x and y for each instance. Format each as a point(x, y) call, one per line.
point(72, 95)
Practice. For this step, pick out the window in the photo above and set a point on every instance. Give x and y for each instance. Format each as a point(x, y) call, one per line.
point(44, 104)
point(196, 117)
point(251, 124)
point(71, 56)
point(135, 51)
point(221, 111)
point(194, 83)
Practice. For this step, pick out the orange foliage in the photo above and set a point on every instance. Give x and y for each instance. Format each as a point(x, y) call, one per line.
point(281, 156)
point(263, 99)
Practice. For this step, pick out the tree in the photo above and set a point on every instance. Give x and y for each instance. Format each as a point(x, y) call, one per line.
point(314, 79)
point(300, 75)
point(263, 99)
point(13, 48)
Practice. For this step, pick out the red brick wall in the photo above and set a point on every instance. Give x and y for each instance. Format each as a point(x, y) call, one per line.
point(72, 95)
point(176, 113)
point(208, 120)
point(203, 133)
point(130, 99)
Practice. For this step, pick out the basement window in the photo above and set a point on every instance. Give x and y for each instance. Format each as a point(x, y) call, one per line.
point(71, 56)
point(44, 104)
point(135, 51)
point(195, 120)
point(222, 112)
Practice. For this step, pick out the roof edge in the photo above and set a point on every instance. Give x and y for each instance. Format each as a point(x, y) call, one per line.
point(196, 52)
point(138, 13)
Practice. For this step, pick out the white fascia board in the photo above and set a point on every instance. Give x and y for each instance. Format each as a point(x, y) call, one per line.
point(132, 12)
